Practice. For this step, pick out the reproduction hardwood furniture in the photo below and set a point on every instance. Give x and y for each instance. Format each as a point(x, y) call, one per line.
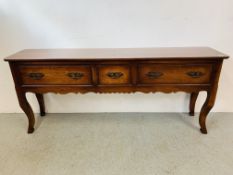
point(188, 69)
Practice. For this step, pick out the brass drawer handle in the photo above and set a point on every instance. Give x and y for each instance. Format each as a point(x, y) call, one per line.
point(115, 75)
point(75, 75)
point(195, 74)
point(153, 75)
point(36, 75)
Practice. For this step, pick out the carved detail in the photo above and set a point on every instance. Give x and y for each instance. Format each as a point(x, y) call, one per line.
point(63, 91)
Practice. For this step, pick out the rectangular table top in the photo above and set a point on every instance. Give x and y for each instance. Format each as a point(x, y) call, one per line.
point(115, 53)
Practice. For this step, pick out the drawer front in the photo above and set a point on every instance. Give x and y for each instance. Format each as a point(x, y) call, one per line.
point(186, 74)
point(80, 75)
point(114, 74)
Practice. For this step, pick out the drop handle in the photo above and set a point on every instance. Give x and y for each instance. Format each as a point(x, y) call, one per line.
point(75, 75)
point(195, 74)
point(115, 75)
point(154, 75)
point(36, 75)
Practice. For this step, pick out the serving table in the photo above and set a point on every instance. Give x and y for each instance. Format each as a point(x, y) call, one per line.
point(112, 70)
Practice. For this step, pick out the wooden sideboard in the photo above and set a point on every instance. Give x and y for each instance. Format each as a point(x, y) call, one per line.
point(188, 69)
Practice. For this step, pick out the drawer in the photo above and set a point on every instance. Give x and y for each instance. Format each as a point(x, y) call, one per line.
point(114, 74)
point(80, 75)
point(186, 74)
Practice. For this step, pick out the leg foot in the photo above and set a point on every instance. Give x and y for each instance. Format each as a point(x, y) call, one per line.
point(30, 130)
point(191, 114)
point(42, 114)
point(203, 130)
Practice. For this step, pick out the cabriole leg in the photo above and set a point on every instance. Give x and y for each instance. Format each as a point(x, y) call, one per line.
point(40, 99)
point(193, 99)
point(208, 105)
point(27, 109)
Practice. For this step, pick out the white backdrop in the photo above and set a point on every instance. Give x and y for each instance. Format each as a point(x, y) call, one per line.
point(115, 23)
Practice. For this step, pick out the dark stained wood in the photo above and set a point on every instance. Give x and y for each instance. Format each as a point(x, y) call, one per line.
point(40, 99)
point(25, 106)
point(146, 70)
point(193, 99)
point(210, 99)
point(160, 73)
point(56, 74)
point(114, 74)
point(116, 53)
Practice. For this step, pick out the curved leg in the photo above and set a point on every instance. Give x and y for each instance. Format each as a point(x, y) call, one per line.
point(208, 105)
point(40, 100)
point(27, 109)
point(193, 99)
